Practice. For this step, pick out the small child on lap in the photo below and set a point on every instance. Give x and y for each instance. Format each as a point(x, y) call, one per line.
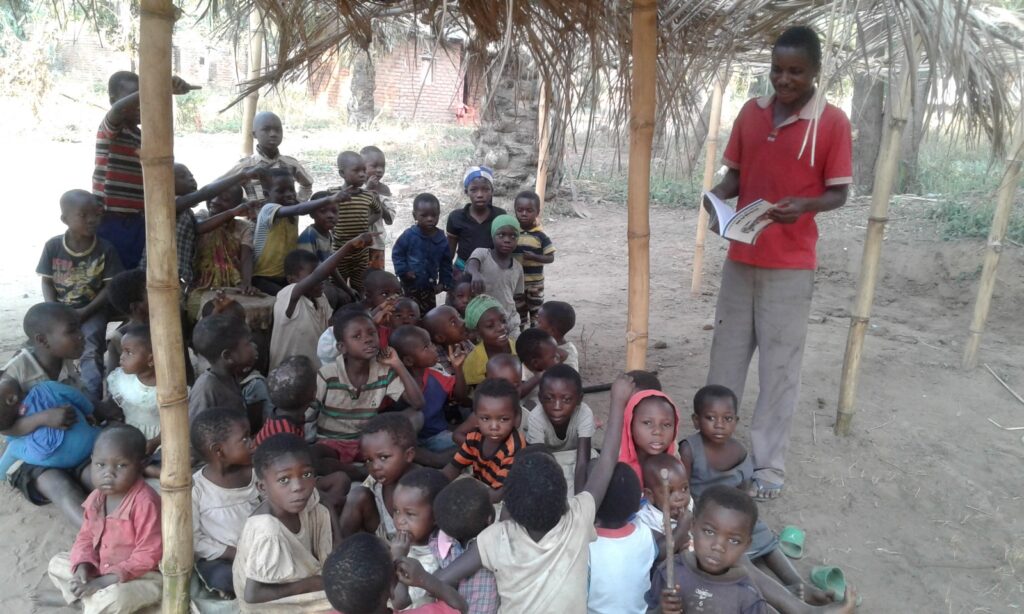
point(284, 543)
point(113, 565)
point(421, 256)
point(224, 493)
point(415, 522)
point(132, 386)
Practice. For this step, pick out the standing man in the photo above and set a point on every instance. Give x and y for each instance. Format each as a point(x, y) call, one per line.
point(792, 149)
point(117, 178)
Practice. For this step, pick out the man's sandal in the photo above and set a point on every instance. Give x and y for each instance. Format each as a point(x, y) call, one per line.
point(763, 490)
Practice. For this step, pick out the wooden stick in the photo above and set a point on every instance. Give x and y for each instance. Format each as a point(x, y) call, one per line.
point(543, 141)
point(997, 233)
point(641, 136)
point(255, 68)
point(670, 540)
point(157, 156)
point(710, 158)
point(886, 169)
point(1005, 385)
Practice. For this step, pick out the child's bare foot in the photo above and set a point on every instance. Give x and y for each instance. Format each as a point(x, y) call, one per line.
point(46, 598)
point(808, 593)
point(847, 606)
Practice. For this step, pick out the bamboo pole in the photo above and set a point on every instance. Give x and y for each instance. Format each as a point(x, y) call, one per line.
point(157, 155)
point(886, 168)
point(641, 136)
point(710, 159)
point(543, 142)
point(255, 68)
point(1001, 219)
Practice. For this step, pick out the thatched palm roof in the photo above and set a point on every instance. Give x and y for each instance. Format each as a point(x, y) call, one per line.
point(972, 50)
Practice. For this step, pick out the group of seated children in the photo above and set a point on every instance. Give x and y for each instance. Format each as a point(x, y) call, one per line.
point(346, 504)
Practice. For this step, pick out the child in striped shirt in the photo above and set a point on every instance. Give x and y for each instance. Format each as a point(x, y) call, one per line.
point(491, 447)
point(354, 216)
point(533, 251)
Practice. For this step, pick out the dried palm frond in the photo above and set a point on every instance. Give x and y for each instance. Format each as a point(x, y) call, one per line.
point(972, 50)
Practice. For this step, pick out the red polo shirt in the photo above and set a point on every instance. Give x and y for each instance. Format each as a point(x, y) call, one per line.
point(787, 161)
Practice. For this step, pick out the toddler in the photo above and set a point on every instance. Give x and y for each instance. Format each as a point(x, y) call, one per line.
point(494, 270)
point(388, 443)
point(539, 555)
point(360, 574)
point(276, 231)
point(563, 423)
point(534, 249)
point(132, 387)
point(414, 520)
point(302, 312)
point(421, 256)
point(557, 318)
point(76, 268)
point(414, 347)
point(223, 493)
point(491, 447)
point(114, 564)
point(358, 384)
point(405, 313)
point(469, 228)
point(656, 502)
point(224, 341)
point(486, 316)
point(462, 510)
point(449, 334)
point(622, 556)
point(376, 164)
point(284, 543)
point(268, 133)
point(354, 217)
point(54, 342)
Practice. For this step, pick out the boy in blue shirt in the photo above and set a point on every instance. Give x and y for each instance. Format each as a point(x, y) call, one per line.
point(422, 257)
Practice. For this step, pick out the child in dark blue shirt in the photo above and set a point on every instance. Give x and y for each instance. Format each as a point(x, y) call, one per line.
point(422, 257)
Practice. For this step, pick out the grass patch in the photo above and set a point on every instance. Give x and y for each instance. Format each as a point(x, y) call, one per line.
point(959, 220)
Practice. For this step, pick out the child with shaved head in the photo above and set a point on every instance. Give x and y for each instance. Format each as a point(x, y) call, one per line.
point(354, 217)
point(268, 132)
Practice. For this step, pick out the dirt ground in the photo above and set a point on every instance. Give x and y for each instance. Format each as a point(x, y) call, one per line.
point(918, 505)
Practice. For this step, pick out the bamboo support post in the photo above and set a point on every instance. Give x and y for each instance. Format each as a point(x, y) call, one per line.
point(255, 68)
point(641, 137)
point(543, 142)
point(710, 159)
point(886, 168)
point(1000, 221)
point(157, 155)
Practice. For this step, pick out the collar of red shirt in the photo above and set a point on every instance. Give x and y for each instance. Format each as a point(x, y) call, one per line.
point(624, 531)
point(124, 509)
point(812, 110)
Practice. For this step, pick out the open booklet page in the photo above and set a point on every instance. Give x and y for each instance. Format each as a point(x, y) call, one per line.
point(744, 225)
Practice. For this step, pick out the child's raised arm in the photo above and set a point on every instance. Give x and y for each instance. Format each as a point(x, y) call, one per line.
point(597, 484)
point(216, 221)
point(324, 269)
point(187, 201)
point(412, 396)
point(461, 568)
point(582, 461)
point(312, 205)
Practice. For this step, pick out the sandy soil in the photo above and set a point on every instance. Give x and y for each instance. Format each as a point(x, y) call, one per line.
point(918, 505)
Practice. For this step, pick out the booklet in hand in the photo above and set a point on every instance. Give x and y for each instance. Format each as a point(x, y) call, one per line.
point(744, 225)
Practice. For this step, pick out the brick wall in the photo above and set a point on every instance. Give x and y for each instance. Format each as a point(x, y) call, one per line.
point(401, 74)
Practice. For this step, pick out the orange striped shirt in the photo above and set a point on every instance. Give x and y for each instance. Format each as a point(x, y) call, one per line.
point(491, 470)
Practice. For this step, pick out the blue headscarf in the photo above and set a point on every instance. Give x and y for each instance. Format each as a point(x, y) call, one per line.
point(476, 172)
